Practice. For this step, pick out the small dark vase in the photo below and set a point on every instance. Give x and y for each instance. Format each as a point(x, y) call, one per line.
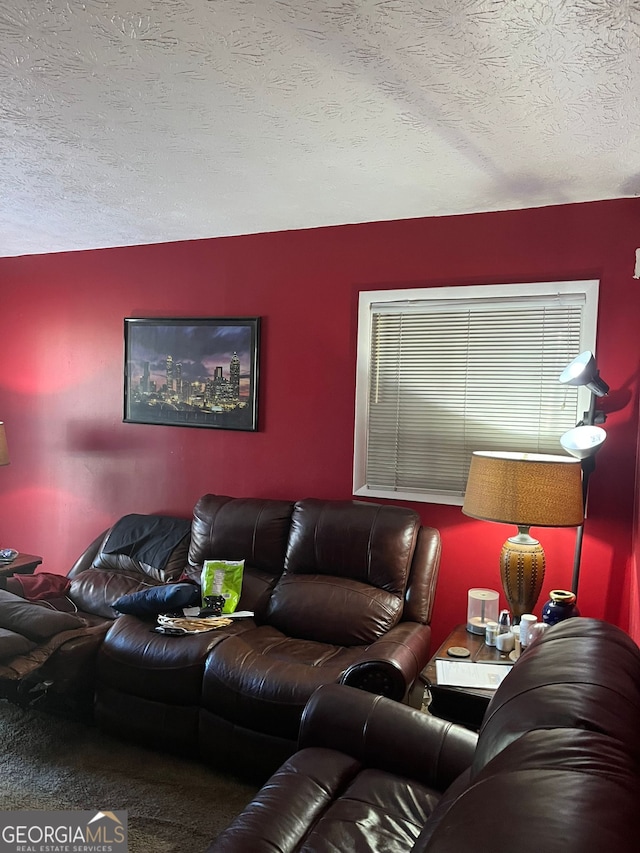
point(561, 605)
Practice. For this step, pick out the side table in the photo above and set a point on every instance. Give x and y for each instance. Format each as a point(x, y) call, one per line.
point(463, 705)
point(24, 564)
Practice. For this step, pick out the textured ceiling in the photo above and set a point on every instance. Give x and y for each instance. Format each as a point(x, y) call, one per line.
point(131, 121)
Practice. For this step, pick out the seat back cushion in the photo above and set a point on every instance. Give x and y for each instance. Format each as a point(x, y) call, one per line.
point(559, 789)
point(582, 673)
point(95, 591)
point(155, 546)
point(346, 571)
point(139, 551)
point(251, 529)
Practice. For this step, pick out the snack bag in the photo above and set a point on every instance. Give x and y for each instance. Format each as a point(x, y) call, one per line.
point(223, 577)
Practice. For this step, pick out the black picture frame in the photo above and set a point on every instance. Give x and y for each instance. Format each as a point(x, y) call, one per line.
point(192, 372)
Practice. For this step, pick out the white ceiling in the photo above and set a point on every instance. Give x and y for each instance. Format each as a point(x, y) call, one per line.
point(132, 121)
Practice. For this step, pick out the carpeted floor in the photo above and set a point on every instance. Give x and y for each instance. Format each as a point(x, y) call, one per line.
point(174, 805)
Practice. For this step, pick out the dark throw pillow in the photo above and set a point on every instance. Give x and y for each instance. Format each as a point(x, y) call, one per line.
point(158, 599)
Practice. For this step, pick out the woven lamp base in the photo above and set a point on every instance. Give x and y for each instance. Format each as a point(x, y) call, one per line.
point(522, 565)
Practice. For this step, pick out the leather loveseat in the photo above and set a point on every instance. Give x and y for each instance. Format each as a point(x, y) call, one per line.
point(341, 592)
point(555, 768)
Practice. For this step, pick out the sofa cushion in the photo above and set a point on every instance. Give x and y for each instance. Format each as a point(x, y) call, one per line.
point(383, 811)
point(332, 610)
point(261, 679)
point(35, 621)
point(251, 529)
point(323, 800)
point(94, 591)
point(158, 599)
point(135, 660)
point(369, 543)
point(346, 571)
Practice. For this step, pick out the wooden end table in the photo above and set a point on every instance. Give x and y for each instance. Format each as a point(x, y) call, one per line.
point(24, 564)
point(463, 705)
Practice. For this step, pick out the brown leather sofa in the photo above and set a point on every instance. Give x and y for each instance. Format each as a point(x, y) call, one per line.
point(341, 592)
point(62, 629)
point(555, 768)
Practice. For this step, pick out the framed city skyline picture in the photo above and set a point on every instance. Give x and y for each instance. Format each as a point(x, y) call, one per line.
point(195, 372)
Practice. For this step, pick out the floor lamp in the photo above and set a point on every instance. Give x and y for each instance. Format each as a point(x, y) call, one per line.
point(4, 460)
point(586, 438)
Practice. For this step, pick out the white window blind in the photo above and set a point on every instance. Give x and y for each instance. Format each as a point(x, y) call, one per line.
point(440, 377)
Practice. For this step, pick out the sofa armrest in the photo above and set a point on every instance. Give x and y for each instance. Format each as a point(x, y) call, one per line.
point(85, 560)
point(387, 735)
point(391, 664)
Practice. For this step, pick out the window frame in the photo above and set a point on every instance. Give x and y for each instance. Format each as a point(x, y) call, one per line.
point(395, 298)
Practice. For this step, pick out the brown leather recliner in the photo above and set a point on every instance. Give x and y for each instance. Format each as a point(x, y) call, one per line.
point(341, 591)
point(555, 768)
point(58, 665)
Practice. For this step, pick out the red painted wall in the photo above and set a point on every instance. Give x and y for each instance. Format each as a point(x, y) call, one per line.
point(634, 574)
point(75, 467)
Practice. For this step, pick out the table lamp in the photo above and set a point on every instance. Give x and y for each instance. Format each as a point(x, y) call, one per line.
point(4, 450)
point(528, 490)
